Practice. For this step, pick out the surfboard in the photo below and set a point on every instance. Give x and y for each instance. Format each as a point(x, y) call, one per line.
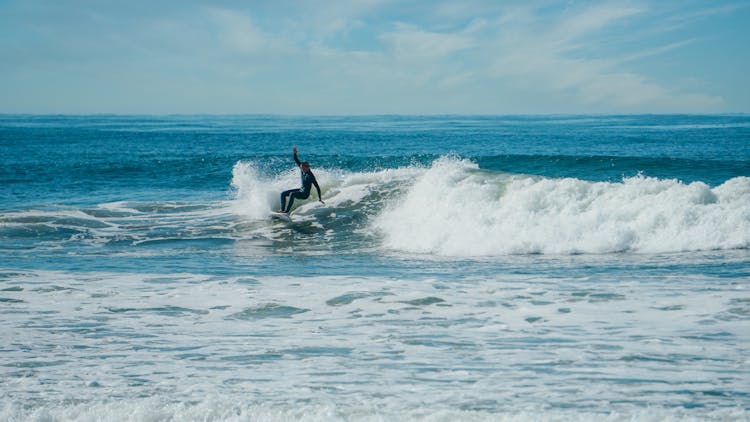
point(281, 216)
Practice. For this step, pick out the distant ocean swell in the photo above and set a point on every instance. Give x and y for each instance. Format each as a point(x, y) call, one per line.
point(453, 208)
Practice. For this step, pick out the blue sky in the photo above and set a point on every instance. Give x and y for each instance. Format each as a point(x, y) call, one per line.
point(374, 57)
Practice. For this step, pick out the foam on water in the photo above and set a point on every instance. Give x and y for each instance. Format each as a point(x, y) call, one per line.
point(455, 209)
point(236, 409)
point(182, 346)
point(256, 195)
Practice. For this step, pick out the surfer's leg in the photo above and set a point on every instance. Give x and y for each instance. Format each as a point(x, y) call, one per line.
point(283, 198)
point(295, 194)
point(292, 195)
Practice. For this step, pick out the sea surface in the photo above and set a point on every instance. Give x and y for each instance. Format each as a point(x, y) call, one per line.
point(462, 268)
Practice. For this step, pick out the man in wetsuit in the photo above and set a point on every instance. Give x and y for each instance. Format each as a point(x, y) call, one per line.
point(308, 181)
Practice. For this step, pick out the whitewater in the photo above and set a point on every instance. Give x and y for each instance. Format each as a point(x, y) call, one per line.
point(462, 268)
point(495, 214)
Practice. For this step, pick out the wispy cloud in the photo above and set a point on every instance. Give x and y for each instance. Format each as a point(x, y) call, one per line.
point(524, 46)
point(548, 60)
point(416, 44)
point(370, 56)
point(238, 32)
point(577, 24)
point(705, 11)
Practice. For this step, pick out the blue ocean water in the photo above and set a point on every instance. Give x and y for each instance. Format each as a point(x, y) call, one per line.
point(462, 268)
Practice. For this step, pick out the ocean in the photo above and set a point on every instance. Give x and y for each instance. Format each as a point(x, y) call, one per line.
point(462, 268)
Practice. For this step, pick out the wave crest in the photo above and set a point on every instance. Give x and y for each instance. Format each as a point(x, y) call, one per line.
point(455, 209)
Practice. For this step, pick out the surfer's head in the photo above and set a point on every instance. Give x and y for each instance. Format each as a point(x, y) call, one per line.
point(305, 166)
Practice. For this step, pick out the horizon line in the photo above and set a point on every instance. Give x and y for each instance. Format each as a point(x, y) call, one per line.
point(302, 115)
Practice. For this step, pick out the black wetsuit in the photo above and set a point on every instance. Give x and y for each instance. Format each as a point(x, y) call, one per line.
point(308, 181)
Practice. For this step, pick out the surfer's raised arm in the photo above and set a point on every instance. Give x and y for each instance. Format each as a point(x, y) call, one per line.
point(296, 160)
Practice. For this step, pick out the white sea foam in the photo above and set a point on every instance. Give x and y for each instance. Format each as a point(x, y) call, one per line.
point(187, 346)
point(236, 409)
point(257, 194)
point(455, 209)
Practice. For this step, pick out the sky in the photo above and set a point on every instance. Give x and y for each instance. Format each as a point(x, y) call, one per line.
point(374, 57)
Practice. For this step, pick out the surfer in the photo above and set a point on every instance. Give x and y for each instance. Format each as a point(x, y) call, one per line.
point(308, 181)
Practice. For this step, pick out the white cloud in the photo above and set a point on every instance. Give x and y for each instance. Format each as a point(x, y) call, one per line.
point(239, 33)
point(583, 22)
point(656, 51)
point(377, 56)
point(415, 44)
point(547, 60)
point(521, 50)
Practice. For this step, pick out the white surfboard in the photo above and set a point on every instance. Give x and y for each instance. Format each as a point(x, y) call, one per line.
point(281, 216)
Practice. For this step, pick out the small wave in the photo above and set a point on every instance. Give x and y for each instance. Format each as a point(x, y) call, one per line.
point(123, 223)
point(271, 310)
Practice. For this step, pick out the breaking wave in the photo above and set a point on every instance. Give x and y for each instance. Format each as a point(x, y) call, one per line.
point(453, 208)
point(450, 207)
